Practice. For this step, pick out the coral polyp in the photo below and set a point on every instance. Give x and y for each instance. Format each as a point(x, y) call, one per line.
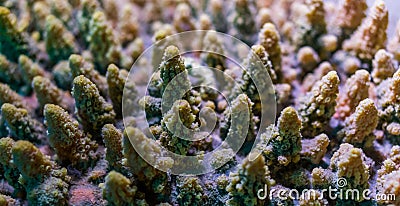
point(199, 102)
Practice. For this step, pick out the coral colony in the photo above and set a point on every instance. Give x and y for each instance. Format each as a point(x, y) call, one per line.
point(63, 74)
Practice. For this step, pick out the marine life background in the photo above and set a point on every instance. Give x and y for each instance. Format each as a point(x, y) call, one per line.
point(66, 139)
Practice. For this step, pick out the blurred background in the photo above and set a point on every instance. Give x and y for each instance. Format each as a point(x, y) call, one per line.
point(394, 14)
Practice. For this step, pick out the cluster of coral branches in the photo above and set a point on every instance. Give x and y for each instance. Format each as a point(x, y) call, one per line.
point(63, 70)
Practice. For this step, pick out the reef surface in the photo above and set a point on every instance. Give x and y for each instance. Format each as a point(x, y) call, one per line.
point(66, 140)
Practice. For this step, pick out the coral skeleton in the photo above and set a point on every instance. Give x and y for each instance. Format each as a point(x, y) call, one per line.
point(104, 103)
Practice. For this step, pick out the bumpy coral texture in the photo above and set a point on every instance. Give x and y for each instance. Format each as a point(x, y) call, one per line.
point(44, 185)
point(310, 22)
point(253, 71)
point(281, 144)
point(118, 190)
point(53, 191)
point(14, 42)
point(383, 67)
point(11, 173)
point(177, 124)
point(311, 78)
point(112, 138)
point(354, 91)
point(92, 109)
point(107, 51)
point(175, 83)
point(317, 106)
point(388, 106)
point(7, 95)
point(89, 7)
point(116, 80)
point(21, 125)
point(315, 149)
point(60, 43)
point(190, 191)
point(215, 51)
point(260, 51)
point(152, 178)
point(73, 130)
point(161, 42)
point(173, 70)
point(371, 35)
point(388, 177)
point(350, 16)
point(239, 114)
point(249, 178)
point(349, 163)
point(359, 127)
point(152, 106)
point(269, 38)
point(48, 93)
point(69, 142)
point(80, 66)
point(322, 178)
point(252, 83)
